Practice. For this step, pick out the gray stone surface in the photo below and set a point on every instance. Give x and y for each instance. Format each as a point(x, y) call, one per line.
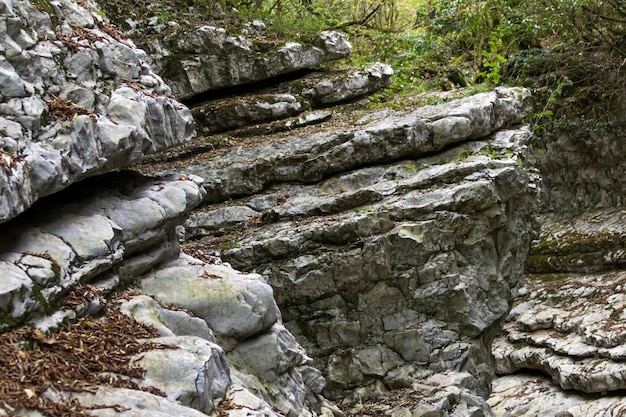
point(227, 114)
point(289, 99)
point(359, 83)
point(209, 58)
point(309, 159)
point(74, 102)
point(268, 368)
point(193, 372)
point(403, 262)
point(590, 241)
point(571, 328)
point(523, 395)
point(92, 231)
point(235, 305)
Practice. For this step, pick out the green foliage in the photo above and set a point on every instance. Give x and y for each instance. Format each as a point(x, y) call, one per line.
point(229, 244)
point(493, 59)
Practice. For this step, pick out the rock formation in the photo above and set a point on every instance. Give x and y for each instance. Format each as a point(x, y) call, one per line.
point(77, 100)
point(394, 247)
point(375, 259)
point(568, 323)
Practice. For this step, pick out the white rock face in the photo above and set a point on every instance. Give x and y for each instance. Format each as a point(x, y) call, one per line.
point(74, 102)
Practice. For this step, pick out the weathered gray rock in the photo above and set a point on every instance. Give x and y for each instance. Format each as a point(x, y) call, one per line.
point(90, 233)
point(132, 403)
point(234, 305)
point(169, 323)
point(356, 84)
point(231, 113)
point(313, 91)
point(570, 327)
point(210, 58)
point(581, 168)
point(263, 355)
point(442, 394)
point(533, 396)
point(75, 102)
point(310, 159)
point(591, 241)
point(193, 372)
point(408, 262)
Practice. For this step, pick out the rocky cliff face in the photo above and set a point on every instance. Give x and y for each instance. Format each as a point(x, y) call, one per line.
point(375, 258)
point(394, 247)
point(568, 324)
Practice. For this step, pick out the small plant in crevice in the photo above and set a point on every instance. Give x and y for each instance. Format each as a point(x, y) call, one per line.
point(229, 244)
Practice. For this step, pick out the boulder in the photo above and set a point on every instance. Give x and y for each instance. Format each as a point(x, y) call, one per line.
point(234, 305)
point(191, 371)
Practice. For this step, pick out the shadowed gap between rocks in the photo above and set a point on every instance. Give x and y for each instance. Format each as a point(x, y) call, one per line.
point(250, 88)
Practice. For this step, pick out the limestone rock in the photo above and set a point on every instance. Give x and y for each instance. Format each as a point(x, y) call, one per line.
point(571, 328)
point(191, 371)
point(292, 98)
point(229, 113)
point(269, 369)
point(210, 58)
point(132, 403)
point(94, 231)
point(403, 262)
point(310, 159)
point(448, 394)
point(591, 241)
point(75, 102)
point(531, 396)
point(234, 305)
point(168, 322)
point(356, 84)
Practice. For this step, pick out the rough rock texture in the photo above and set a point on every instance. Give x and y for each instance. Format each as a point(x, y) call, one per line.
point(294, 97)
point(569, 325)
point(343, 88)
point(381, 138)
point(532, 396)
point(591, 241)
point(76, 100)
point(581, 168)
point(387, 274)
point(568, 322)
point(241, 312)
point(209, 58)
point(124, 228)
point(385, 254)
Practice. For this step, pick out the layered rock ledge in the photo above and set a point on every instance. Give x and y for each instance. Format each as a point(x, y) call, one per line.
point(394, 247)
point(209, 58)
point(76, 100)
point(114, 227)
point(568, 323)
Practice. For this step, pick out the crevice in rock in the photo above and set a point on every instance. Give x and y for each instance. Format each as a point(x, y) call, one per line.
point(247, 89)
